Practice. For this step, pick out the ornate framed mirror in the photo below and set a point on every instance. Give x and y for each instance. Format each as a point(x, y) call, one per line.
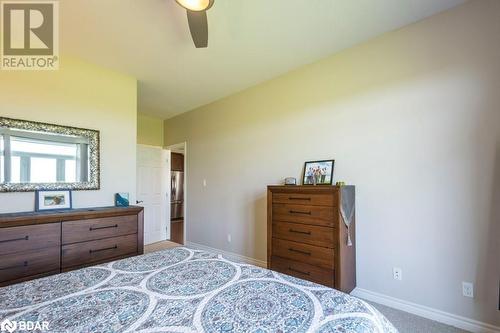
point(39, 156)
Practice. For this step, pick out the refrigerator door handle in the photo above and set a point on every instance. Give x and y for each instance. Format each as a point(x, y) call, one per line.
point(172, 187)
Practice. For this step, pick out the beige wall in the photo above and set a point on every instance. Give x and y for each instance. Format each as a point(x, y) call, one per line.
point(81, 95)
point(149, 130)
point(412, 119)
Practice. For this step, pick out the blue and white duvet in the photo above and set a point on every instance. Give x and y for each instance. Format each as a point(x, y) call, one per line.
point(185, 290)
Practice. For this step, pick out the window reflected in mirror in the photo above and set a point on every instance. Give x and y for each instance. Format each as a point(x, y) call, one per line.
point(42, 156)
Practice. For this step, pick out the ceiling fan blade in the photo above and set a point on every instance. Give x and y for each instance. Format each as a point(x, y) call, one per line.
point(198, 25)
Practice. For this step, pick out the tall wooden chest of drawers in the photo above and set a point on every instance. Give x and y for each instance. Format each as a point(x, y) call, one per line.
point(307, 237)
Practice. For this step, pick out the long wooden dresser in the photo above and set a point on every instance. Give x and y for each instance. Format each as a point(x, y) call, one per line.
point(307, 237)
point(37, 244)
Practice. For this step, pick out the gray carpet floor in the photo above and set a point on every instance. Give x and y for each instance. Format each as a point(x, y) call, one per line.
point(408, 323)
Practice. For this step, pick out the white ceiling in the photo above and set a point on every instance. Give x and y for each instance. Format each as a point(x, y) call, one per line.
point(250, 41)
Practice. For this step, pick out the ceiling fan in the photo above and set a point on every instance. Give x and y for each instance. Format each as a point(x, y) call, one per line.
point(197, 19)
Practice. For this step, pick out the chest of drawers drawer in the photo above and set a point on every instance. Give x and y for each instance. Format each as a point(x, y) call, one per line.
point(29, 263)
point(30, 237)
point(314, 255)
point(99, 250)
point(93, 229)
point(304, 233)
point(304, 271)
point(304, 199)
point(314, 215)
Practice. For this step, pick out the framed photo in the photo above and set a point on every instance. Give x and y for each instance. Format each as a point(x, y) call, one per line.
point(53, 200)
point(318, 172)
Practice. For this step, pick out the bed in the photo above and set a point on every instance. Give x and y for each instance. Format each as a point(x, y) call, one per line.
point(185, 290)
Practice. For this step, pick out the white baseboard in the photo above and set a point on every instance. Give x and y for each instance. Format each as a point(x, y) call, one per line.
point(426, 312)
point(229, 255)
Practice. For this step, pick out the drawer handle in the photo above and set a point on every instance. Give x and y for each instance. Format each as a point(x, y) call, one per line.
point(297, 271)
point(15, 239)
point(107, 227)
point(299, 212)
point(299, 198)
point(300, 232)
point(100, 250)
point(299, 251)
point(24, 264)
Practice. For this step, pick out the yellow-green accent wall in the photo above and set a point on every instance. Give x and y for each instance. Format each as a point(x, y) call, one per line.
point(149, 130)
point(83, 95)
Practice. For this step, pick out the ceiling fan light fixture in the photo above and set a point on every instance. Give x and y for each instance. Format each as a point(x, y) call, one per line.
point(196, 5)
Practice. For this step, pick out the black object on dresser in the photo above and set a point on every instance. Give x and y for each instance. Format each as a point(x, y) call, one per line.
point(307, 237)
point(37, 244)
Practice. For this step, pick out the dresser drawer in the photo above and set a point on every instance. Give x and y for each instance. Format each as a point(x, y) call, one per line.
point(317, 215)
point(303, 233)
point(87, 230)
point(314, 255)
point(304, 271)
point(304, 199)
point(31, 237)
point(99, 250)
point(23, 264)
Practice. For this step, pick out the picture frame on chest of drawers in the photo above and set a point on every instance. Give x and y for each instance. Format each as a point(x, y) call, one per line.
point(318, 172)
point(49, 200)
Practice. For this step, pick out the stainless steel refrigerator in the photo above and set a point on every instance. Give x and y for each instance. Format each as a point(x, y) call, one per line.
point(177, 196)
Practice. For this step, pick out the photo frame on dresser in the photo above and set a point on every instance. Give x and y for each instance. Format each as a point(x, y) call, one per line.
point(318, 172)
point(46, 200)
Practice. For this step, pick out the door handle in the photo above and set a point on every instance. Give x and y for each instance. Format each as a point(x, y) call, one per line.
point(298, 271)
point(139, 201)
point(105, 249)
point(299, 212)
point(299, 251)
point(99, 228)
point(15, 239)
point(300, 232)
point(24, 264)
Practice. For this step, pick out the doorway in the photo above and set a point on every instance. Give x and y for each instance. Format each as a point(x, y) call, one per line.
point(153, 187)
point(178, 193)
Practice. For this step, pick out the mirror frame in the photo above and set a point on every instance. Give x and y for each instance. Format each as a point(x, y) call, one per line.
point(93, 136)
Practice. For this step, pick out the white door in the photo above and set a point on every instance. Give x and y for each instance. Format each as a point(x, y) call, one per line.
point(153, 188)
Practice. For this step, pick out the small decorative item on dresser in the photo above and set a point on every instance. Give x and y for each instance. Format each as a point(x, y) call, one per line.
point(340, 184)
point(122, 200)
point(53, 200)
point(318, 173)
point(290, 181)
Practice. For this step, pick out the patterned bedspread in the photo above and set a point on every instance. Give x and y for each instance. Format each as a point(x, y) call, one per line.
point(185, 290)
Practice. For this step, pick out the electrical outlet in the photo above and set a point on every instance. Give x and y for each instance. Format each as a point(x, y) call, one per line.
point(229, 238)
point(397, 273)
point(468, 289)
